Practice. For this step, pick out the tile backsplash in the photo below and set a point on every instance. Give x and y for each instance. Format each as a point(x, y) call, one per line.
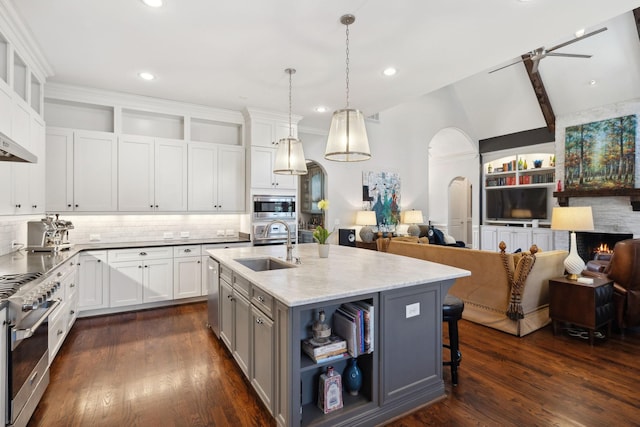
point(129, 228)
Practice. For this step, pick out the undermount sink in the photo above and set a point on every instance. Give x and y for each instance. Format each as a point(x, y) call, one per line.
point(264, 264)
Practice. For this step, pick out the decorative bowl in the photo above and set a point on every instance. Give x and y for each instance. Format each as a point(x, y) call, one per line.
point(537, 163)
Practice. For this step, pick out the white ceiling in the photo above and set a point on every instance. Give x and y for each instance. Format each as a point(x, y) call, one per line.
point(232, 54)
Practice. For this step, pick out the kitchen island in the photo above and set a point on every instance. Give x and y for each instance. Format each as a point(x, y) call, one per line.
point(264, 316)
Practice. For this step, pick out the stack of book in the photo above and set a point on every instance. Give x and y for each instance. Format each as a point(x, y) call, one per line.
point(355, 322)
point(331, 348)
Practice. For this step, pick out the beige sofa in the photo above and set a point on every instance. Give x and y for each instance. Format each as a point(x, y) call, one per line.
point(486, 293)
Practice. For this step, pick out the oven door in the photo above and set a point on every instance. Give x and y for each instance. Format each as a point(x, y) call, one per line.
point(276, 235)
point(28, 363)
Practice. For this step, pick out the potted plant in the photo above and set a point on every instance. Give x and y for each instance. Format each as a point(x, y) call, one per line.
point(320, 235)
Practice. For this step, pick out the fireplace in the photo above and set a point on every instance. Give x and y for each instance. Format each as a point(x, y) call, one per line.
point(590, 244)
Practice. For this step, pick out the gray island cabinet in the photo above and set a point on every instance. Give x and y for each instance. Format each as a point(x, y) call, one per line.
point(264, 316)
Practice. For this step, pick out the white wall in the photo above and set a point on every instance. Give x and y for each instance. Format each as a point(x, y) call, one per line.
point(399, 143)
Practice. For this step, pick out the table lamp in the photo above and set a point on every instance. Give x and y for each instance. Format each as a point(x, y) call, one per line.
point(579, 218)
point(413, 217)
point(366, 218)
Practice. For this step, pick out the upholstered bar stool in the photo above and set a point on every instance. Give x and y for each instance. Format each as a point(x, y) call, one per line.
point(452, 309)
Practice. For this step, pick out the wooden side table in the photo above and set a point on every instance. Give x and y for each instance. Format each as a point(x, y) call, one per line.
point(367, 245)
point(585, 305)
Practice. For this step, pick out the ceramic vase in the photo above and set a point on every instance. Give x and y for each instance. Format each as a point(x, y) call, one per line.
point(323, 250)
point(352, 377)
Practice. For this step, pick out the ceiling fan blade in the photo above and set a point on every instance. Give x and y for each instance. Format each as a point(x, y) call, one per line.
point(593, 33)
point(505, 66)
point(569, 55)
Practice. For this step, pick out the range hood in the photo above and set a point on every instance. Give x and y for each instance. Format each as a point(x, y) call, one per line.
point(11, 151)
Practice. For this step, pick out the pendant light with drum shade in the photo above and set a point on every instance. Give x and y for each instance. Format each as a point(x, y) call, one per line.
point(347, 140)
point(290, 155)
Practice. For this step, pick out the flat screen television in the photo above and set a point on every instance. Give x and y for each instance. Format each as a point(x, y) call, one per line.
point(517, 203)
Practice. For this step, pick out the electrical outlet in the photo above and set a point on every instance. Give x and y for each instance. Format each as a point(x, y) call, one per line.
point(229, 232)
point(220, 233)
point(94, 237)
point(168, 235)
point(184, 234)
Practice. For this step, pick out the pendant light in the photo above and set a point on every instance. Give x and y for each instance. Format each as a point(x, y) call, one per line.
point(347, 140)
point(290, 156)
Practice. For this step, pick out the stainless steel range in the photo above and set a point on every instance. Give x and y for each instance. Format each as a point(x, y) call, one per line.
point(31, 300)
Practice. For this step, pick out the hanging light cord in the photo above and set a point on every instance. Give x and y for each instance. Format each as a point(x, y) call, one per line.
point(347, 63)
point(290, 127)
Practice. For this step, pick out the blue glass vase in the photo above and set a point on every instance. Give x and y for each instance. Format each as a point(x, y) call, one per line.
point(352, 377)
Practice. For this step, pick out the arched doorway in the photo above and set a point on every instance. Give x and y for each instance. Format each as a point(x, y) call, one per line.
point(460, 203)
point(313, 188)
point(453, 176)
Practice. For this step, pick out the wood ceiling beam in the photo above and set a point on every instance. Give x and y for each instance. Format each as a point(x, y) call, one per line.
point(541, 94)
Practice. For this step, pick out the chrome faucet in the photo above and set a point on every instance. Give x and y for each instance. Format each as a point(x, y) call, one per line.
point(265, 233)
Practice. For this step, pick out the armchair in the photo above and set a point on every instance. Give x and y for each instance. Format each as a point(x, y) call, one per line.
point(624, 270)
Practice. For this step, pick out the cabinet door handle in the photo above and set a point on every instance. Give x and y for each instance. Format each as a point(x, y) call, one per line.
point(259, 321)
point(76, 205)
point(69, 205)
point(72, 312)
point(60, 332)
point(98, 261)
point(187, 251)
point(18, 206)
point(260, 298)
point(72, 285)
point(151, 206)
point(156, 206)
point(146, 266)
point(139, 266)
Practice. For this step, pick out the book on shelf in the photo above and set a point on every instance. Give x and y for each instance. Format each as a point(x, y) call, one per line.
point(338, 356)
point(329, 347)
point(355, 322)
point(345, 326)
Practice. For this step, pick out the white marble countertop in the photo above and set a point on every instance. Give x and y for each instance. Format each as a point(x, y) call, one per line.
point(348, 271)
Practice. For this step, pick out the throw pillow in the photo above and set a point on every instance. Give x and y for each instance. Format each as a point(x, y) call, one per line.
point(449, 240)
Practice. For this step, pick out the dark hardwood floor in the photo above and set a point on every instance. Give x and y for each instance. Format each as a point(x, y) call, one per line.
point(162, 367)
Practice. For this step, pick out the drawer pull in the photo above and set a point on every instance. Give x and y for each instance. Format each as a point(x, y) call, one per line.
point(259, 321)
point(260, 298)
point(60, 332)
point(142, 253)
point(187, 251)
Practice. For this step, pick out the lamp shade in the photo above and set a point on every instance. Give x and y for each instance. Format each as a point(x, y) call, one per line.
point(347, 141)
point(413, 217)
point(574, 218)
point(290, 158)
point(366, 218)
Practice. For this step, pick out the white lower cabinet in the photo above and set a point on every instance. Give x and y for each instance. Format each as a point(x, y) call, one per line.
point(140, 275)
point(242, 332)
point(226, 311)
point(93, 280)
point(3, 361)
point(515, 238)
point(137, 282)
point(187, 272)
point(61, 320)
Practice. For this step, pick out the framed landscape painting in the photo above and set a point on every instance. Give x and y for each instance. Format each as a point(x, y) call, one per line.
point(601, 155)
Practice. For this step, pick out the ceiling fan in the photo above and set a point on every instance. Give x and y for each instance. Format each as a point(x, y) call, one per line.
point(537, 54)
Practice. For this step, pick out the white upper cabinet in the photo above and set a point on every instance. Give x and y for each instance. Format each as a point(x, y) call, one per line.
point(95, 172)
point(216, 177)
point(81, 171)
point(59, 170)
point(266, 129)
point(152, 174)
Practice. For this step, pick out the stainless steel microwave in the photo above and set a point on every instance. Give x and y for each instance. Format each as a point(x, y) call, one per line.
point(274, 207)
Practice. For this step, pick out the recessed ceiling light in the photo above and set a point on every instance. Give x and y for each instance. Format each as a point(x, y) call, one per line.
point(146, 75)
point(389, 71)
point(321, 109)
point(579, 33)
point(593, 82)
point(153, 3)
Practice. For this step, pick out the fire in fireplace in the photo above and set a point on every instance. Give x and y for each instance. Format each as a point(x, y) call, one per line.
point(590, 245)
